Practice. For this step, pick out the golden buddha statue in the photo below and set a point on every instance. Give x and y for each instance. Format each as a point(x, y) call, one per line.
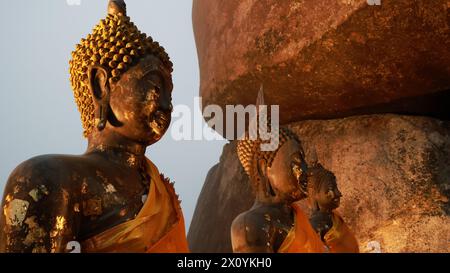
point(276, 222)
point(112, 198)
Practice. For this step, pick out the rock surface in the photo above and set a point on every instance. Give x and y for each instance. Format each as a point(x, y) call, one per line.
point(394, 173)
point(321, 59)
point(225, 194)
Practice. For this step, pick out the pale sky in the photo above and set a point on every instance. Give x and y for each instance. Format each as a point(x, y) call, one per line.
point(37, 109)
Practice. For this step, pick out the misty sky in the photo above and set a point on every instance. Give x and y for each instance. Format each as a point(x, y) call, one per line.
point(37, 109)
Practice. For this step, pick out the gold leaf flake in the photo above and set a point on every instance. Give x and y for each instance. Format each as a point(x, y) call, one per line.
point(15, 212)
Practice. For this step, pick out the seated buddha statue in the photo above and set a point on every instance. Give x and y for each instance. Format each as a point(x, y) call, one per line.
point(111, 198)
point(276, 223)
point(324, 198)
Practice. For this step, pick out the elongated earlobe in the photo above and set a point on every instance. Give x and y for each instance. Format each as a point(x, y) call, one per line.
point(103, 117)
point(270, 188)
point(99, 87)
point(264, 180)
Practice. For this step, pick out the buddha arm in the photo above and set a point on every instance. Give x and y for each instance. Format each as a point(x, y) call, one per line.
point(340, 239)
point(35, 211)
point(249, 237)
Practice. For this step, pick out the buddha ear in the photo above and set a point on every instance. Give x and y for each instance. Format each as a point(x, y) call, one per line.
point(262, 168)
point(98, 80)
point(264, 179)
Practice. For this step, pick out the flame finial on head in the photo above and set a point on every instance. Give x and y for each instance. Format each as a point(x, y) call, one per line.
point(249, 150)
point(260, 98)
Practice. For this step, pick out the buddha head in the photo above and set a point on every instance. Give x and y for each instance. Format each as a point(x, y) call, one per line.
point(122, 80)
point(323, 191)
point(280, 174)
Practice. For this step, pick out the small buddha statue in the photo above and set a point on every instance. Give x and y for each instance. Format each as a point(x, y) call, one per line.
point(324, 198)
point(111, 198)
point(276, 222)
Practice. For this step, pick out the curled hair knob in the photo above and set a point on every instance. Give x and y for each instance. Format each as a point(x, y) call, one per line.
point(116, 7)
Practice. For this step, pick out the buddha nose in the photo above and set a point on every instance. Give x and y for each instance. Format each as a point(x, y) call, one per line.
point(165, 103)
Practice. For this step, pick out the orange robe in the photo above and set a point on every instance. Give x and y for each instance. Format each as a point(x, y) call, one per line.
point(158, 228)
point(304, 239)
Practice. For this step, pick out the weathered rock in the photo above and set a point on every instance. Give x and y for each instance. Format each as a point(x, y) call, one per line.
point(394, 173)
point(321, 59)
point(225, 194)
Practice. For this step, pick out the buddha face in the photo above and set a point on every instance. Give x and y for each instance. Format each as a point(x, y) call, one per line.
point(141, 101)
point(329, 196)
point(288, 173)
point(323, 189)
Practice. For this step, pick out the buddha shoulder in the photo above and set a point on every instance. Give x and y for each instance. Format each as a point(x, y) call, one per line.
point(52, 172)
point(251, 231)
point(36, 215)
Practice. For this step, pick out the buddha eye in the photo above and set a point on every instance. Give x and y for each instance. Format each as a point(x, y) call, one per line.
point(298, 166)
point(296, 170)
point(155, 88)
point(330, 194)
point(154, 81)
point(153, 95)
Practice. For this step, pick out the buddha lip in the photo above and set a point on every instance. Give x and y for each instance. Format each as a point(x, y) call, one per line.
point(162, 121)
point(162, 117)
point(157, 127)
point(159, 121)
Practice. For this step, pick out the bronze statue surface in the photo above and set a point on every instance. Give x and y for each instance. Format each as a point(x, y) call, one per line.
point(264, 227)
point(324, 197)
point(276, 224)
point(122, 85)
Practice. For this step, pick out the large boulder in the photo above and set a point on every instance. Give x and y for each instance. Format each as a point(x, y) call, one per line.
point(225, 194)
point(394, 173)
point(321, 59)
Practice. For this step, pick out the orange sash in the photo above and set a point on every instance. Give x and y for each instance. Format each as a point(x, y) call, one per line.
point(340, 239)
point(302, 238)
point(158, 228)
